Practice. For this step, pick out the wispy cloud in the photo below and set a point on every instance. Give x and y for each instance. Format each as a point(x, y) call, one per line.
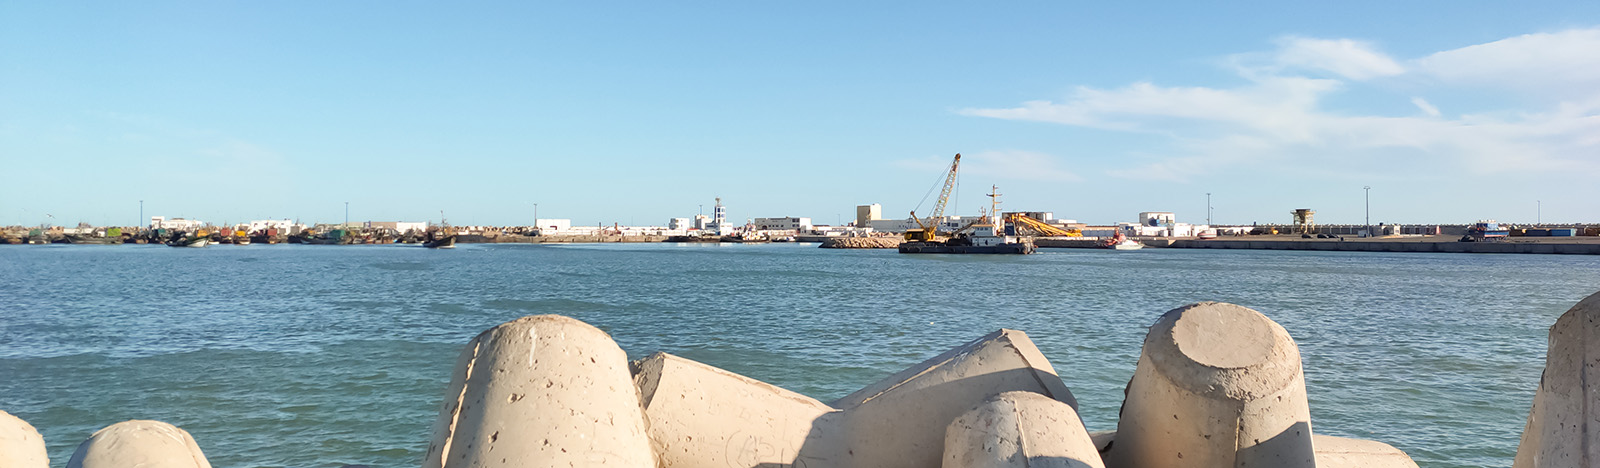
point(1425, 106)
point(1355, 60)
point(1277, 118)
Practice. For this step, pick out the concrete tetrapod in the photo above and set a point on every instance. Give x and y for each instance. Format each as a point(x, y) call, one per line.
point(540, 391)
point(1564, 424)
point(21, 446)
point(900, 421)
point(1020, 430)
point(1332, 452)
point(147, 444)
point(1217, 385)
point(704, 416)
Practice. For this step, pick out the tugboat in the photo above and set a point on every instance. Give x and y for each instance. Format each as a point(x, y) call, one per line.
point(1485, 231)
point(985, 236)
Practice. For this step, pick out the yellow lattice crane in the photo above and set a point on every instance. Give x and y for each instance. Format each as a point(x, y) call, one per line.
point(1041, 227)
point(929, 229)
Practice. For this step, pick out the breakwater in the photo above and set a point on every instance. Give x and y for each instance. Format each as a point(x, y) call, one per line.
point(862, 243)
point(1377, 245)
point(1215, 385)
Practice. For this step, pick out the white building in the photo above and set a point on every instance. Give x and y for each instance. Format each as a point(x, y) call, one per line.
point(398, 226)
point(1157, 218)
point(553, 226)
point(719, 218)
point(781, 224)
point(283, 225)
point(866, 214)
point(678, 224)
point(701, 221)
point(946, 224)
point(176, 224)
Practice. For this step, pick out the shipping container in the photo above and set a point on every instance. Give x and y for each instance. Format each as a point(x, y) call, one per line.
point(1563, 232)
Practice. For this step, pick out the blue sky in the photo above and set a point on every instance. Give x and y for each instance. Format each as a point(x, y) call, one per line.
point(638, 112)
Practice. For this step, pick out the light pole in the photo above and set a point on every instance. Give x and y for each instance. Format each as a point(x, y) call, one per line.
point(347, 215)
point(1208, 208)
point(1368, 188)
point(141, 212)
point(1539, 212)
point(536, 216)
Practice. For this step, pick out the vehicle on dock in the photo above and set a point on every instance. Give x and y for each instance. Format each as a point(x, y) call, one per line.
point(1485, 231)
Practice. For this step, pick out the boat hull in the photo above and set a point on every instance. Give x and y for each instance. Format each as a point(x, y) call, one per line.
point(1012, 248)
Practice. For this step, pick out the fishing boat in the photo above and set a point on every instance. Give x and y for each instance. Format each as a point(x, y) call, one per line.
point(441, 238)
point(1487, 230)
point(199, 239)
point(1121, 242)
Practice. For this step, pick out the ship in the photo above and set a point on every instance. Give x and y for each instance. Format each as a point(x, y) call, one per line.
point(984, 236)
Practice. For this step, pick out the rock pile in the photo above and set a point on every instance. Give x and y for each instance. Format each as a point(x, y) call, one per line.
point(861, 243)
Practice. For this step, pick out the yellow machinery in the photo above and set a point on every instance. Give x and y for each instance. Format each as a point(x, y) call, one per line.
point(1018, 219)
point(929, 229)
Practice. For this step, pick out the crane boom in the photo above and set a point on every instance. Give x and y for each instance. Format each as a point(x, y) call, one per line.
point(932, 226)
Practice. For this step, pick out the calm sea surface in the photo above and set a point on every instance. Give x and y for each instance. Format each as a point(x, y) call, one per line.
point(316, 356)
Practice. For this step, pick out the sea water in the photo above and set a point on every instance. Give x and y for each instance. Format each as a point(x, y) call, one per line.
point(291, 355)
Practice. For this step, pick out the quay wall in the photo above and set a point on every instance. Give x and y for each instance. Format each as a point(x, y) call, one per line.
point(585, 239)
point(1386, 246)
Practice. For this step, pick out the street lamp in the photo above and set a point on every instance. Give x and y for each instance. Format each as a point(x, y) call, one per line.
point(1208, 208)
point(1368, 188)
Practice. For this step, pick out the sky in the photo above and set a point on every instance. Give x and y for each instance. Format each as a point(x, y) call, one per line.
point(637, 112)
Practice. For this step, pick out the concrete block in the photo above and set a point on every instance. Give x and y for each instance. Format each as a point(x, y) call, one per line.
point(21, 446)
point(1217, 385)
point(1020, 430)
point(146, 444)
point(900, 421)
point(1564, 424)
point(1340, 452)
point(1332, 452)
point(541, 391)
point(704, 416)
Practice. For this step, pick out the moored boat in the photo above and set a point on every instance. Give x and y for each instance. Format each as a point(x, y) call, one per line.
point(1121, 242)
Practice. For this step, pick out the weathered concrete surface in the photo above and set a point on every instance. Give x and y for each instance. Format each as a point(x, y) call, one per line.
point(1332, 452)
point(1564, 424)
point(139, 443)
point(541, 391)
point(702, 416)
point(900, 421)
point(21, 446)
point(1217, 385)
point(1340, 452)
point(1020, 430)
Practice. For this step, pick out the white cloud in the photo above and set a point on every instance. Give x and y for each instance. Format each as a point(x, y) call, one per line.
point(1351, 59)
point(1277, 119)
point(1425, 106)
point(1546, 61)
